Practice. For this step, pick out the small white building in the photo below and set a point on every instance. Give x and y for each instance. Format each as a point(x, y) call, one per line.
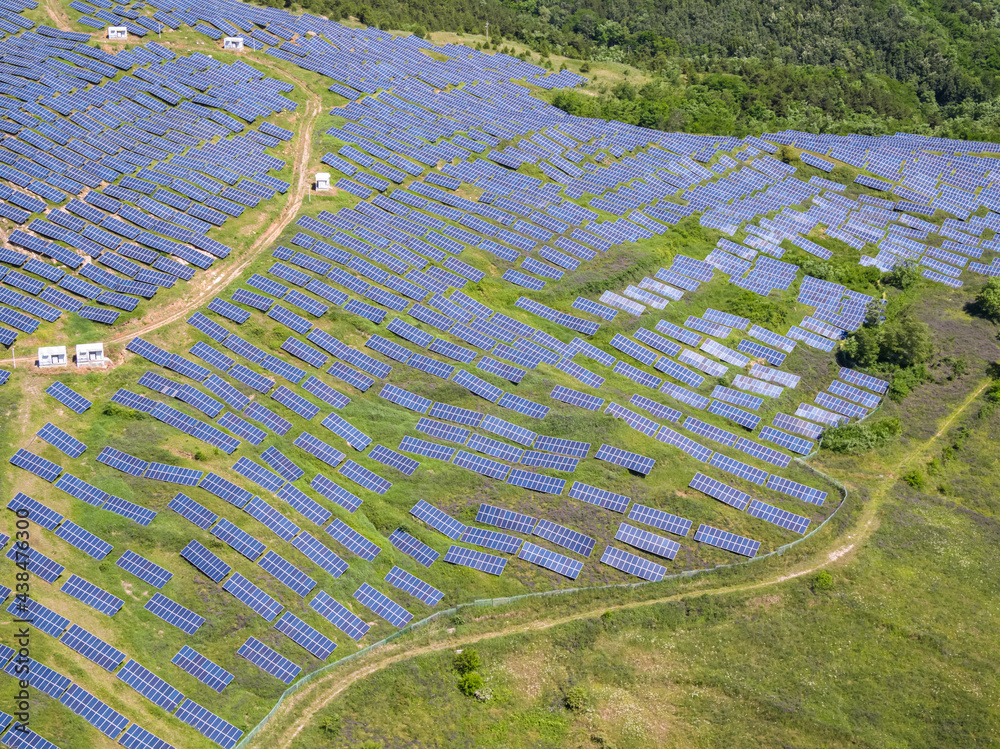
point(118, 32)
point(233, 43)
point(322, 181)
point(90, 355)
point(52, 356)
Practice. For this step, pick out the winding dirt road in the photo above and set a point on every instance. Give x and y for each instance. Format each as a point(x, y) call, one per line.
point(312, 698)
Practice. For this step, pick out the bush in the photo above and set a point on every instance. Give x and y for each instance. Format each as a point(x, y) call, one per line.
point(470, 683)
point(756, 309)
point(467, 661)
point(858, 438)
point(330, 725)
point(915, 479)
point(906, 379)
point(576, 699)
point(823, 581)
point(903, 276)
point(585, 68)
point(988, 300)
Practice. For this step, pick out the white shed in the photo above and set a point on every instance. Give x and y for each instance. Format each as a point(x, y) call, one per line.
point(52, 356)
point(322, 181)
point(90, 355)
point(233, 43)
point(117, 32)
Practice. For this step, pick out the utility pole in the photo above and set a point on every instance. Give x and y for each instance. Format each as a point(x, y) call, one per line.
point(487, 32)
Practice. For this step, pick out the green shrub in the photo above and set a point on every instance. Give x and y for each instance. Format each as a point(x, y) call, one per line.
point(823, 581)
point(330, 725)
point(988, 300)
point(915, 479)
point(470, 683)
point(858, 438)
point(576, 700)
point(467, 661)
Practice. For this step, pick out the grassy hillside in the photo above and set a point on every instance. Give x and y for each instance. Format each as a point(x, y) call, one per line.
point(893, 649)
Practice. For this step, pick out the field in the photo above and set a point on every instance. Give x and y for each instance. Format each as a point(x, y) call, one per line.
point(891, 650)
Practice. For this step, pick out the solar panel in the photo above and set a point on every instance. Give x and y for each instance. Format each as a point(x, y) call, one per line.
point(565, 537)
point(421, 552)
point(477, 560)
point(91, 595)
point(364, 477)
point(258, 474)
point(173, 474)
point(799, 491)
point(660, 519)
point(413, 585)
point(507, 519)
point(458, 415)
point(224, 489)
point(633, 564)
point(484, 466)
point(405, 398)
point(137, 737)
point(173, 613)
point(725, 540)
point(281, 464)
point(69, 398)
point(209, 724)
point(319, 554)
point(63, 442)
point(84, 540)
point(122, 461)
point(150, 686)
point(44, 469)
point(38, 676)
point(31, 509)
point(205, 561)
point(558, 563)
point(576, 398)
point(109, 722)
point(194, 663)
point(269, 660)
point(741, 417)
point(319, 449)
point(144, 569)
point(93, 648)
point(863, 380)
point(632, 461)
point(777, 516)
point(536, 482)
point(343, 428)
point(311, 639)
point(339, 615)
point(722, 492)
point(35, 562)
point(437, 519)
point(642, 539)
point(352, 540)
point(382, 605)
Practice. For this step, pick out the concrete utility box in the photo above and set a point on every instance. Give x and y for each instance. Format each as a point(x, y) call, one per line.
point(117, 32)
point(52, 356)
point(322, 181)
point(233, 43)
point(90, 355)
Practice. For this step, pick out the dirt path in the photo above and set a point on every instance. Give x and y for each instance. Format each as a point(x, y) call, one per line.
point(300, 186)
point(317, 695)
point(59, 18)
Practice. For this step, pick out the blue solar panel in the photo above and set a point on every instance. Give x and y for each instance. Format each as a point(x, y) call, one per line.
point(92, 595)
point(456, 414)
point(269, 660)
point(343, 428)
point(43, 618)
point(205, 561)
point(319, 449)
point(109, 722)
point(44, 469)
point(173, 613)
point(576, 398)
point(565, 537)
point(144, 569)
point(288, 574)
point(600, 497)
point(305, 635)
point(477, 560)
point(633, 564)
point(173, 474)
point(319, 554)
point(339, 616)
point(642, 539)
point(722, 492)
point(40, 677)
point(227, 490)
point(245, 591)
point(83, 539)
point(382, 605)
point(258, 474)
point(422, 591)
point(209, 724)
point(735, 467)
point(150, 686)
point(725, 540)
point(421, 552)
point(282, 527)
point(93, 648)
point(632, 461)
point(69, 398)
point(558, 563)
point(660, 519)
point(122, 461)
point(352, 540)
point(201, 668)
point(437, 519)
point(62, 441)
point(31, 509)
point(799, 491)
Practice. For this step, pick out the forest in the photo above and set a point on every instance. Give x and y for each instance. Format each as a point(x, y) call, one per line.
point(738, 66)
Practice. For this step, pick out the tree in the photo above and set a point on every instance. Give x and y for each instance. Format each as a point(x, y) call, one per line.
point(823, 581)
point(467, 661)
point(903, 276)
point(906, 341)
point(470, 683)
point(576, 699)
point(988, 300)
